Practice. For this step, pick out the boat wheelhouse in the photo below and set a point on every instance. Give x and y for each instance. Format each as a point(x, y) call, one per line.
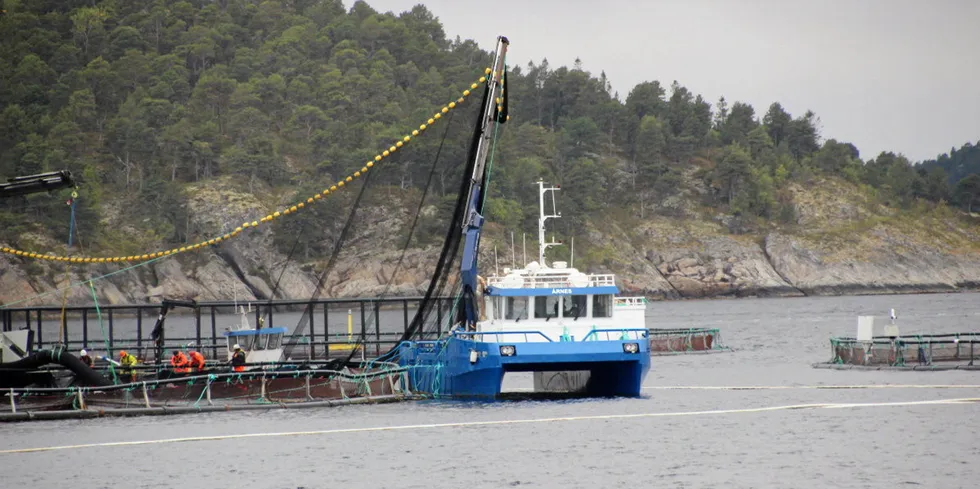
point(261, 345)
point(560, 302)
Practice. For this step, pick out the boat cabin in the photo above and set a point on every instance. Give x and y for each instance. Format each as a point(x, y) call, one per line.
point(562, 303)
point(260, 345)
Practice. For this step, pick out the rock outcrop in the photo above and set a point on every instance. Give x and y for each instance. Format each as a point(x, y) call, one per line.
point(837, 246)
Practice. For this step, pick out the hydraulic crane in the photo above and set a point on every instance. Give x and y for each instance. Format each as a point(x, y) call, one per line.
point(32, 184)
point(494, 111)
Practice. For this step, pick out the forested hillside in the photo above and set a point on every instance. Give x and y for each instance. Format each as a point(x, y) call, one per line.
point(147, 102)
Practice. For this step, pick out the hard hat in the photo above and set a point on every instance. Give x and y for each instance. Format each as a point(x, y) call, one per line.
point(83, 352)
point(122, 353)
point(237, 347)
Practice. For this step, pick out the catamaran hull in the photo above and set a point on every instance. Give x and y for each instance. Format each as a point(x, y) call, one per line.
point(465, 369)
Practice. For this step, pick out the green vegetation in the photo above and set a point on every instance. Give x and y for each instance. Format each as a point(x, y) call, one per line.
point(146, 101)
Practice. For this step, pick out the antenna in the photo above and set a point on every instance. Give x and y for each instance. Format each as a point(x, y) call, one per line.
point(495, 269)
point(542, 218)
point(524, 246)
point(513, 254)
point(571, 260)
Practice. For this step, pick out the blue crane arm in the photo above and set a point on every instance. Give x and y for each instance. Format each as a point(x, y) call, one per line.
point(494, 111)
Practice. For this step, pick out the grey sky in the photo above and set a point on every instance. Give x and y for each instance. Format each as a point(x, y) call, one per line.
point(886, 75)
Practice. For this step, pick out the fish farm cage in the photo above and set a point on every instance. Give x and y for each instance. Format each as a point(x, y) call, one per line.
point(226, 391)
point(953, 350)
point(665, 341)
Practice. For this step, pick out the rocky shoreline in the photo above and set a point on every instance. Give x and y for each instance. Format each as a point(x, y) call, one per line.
point(836, 246)
point(719, 268)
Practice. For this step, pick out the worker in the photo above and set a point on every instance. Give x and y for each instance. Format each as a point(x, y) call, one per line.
point(87, 360)
point(179, 362)
point(127, 362)
point(196, 362)
point(238, 359)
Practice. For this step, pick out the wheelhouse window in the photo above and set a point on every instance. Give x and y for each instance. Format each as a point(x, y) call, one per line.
point(496, 305)
point(245, 341)
point(274, 340)
point(517, 308)
point(574, 306)
point(602, 306)
point(546, 306)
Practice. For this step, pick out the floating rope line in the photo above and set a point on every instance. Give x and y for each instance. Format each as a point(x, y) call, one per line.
point(502, 422)
point(271, 217)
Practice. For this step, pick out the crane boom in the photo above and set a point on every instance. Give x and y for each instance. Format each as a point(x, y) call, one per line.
point(32, 184)
point(493, 111)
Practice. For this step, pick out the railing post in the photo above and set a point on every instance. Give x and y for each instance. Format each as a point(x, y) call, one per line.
point(139, 329)
point(40, 334)
point(39, 314)
point(326, 330)
point(405, 316)
point(84, 330)
point(308, 396)
point(271, 321)
point(13, 402)
point(111, 330)
point(312, 308)
point(197, 327)
point(146, 396)
point(377, 328)
point(214, 335)
point(439, 317)
point(363, 330)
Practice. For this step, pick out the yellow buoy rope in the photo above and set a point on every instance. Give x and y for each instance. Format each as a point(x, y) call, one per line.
point(269, 218)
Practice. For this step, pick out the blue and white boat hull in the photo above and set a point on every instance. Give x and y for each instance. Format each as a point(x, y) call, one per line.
point(457, 367)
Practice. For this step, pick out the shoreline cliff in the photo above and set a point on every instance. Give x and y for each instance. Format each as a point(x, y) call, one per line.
point(839, 244)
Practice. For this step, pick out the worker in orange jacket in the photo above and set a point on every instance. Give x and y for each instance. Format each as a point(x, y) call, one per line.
point(196, 361)
point(179, 362)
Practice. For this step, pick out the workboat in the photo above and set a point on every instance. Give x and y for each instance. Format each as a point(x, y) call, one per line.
point(566, 327)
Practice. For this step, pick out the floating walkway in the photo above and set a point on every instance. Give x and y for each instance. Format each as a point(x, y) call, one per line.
point(236, 391)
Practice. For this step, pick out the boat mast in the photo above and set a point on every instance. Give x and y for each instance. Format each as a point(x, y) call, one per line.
point(493, 111)
point(542, 217)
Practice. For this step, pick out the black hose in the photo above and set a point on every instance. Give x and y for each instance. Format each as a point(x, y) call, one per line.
point(14, 374)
